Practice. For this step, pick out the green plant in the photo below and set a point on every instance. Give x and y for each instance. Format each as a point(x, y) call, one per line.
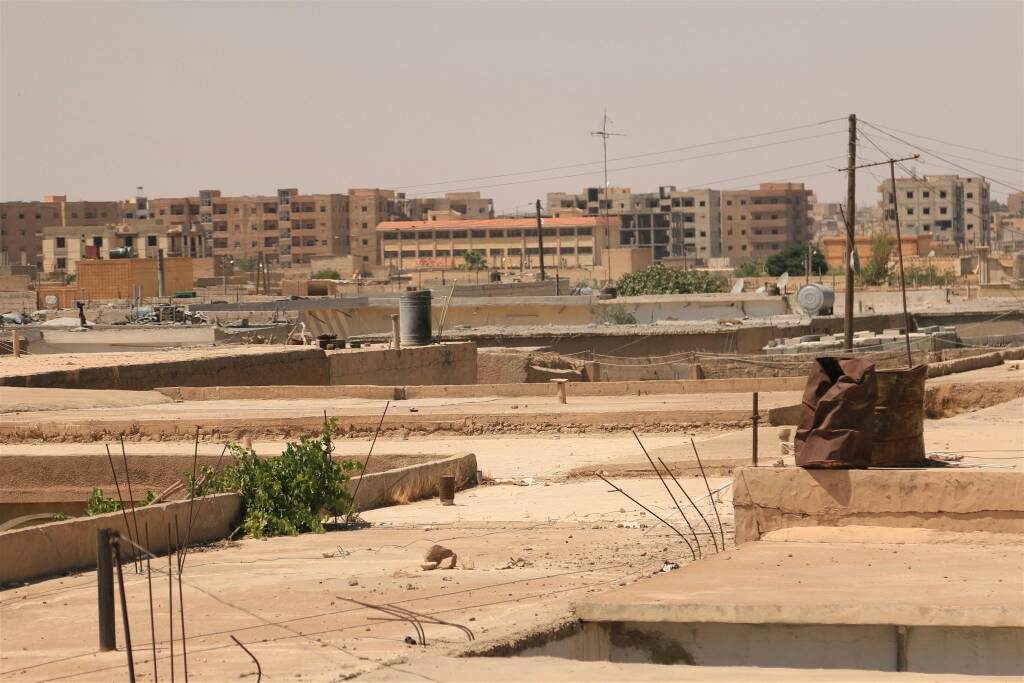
point(472, 260)
point(749, 269)
point(246, 263)
point(59, 516)
point(928, 276)
point(877, 270)
point(326, 274)
point(661, 279)
point(70, 278)
point(792, 259)
point(288, 494)
point(614, 314)
point(99, 504)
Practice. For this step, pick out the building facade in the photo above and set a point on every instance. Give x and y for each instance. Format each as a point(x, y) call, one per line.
point(569, 242)
point(949, 208)
point(670, 223)
point(1015, 204)
point(758, 223)
point(21, 223)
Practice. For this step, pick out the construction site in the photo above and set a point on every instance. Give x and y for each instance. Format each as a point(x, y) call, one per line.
point(722, 487)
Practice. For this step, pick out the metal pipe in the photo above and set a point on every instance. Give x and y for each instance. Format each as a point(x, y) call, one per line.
point(170, 599)
point(259, 669)
point(152, 618)
point(105, 590)
point(124, 610)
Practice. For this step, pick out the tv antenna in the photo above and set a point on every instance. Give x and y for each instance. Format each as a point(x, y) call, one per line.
point(604, 134)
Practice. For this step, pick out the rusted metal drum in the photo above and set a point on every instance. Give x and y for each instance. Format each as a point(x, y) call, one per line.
point(899, 418)
point(446, 489)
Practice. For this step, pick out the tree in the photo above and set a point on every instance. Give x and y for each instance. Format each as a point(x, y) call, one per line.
point(474, 260)
point(877, 270)
point(662, 279)
point(326, 274)
point(792, 259)
point(749, 269)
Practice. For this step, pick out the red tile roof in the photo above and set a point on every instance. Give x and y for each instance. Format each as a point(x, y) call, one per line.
point(497, 223)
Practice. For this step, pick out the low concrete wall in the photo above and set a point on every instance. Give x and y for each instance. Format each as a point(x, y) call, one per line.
point(414, 482)
point(449, 363)
point(58, 547)
point(769, 498)
point(985, 360)
point(702, 386)
point(649, 309)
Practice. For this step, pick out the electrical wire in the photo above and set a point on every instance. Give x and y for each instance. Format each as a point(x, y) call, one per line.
point(954, 144)
point(938, 156)
point(624, 158)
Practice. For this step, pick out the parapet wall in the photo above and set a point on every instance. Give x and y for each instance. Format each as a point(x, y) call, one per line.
point(453, 363)
point(770, 498)
point(49, 549)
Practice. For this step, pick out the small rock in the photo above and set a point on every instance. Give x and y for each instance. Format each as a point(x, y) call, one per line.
point(438, 553)
point(353, 582)
point(427, 566)
point(467, 563)
point(448, 562)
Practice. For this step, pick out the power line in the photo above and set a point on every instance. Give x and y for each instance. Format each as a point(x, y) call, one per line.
point(622, 158)
point(937, 156)
point(636, 166)
point(953, 144)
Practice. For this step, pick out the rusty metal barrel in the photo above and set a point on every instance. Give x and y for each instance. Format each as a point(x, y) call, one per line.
point(446, 489)
point(899, 418)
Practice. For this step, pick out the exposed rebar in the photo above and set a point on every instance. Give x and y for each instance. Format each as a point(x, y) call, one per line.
point(714, 506)
point(352, 507)
point(669, 492)
point(259, 669)
point(152, 618)
point(690, 501)
point(124, 611)
point(652, 513)
point(131, 499)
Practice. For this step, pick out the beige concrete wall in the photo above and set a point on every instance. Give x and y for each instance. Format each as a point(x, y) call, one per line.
point(453, 363)
point(58, 547)
point(766, 499)
point(414, 482)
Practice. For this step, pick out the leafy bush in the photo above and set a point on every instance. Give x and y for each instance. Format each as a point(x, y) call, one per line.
point(662, 279)
point(749, 269)
point(326, 274)
point(288, 494)
point(99, 504)
point(472, 260)
point(924, 275)
point(877, 270)
point(245, 263)
point(792, 259)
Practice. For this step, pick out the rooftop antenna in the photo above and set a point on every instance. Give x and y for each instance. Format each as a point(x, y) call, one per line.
point(604, 134)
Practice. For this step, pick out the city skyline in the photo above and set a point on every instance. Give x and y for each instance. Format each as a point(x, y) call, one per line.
point(93, 114)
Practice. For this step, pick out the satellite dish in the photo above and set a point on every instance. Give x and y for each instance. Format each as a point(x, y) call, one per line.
point(737, 287)
point(783, 281)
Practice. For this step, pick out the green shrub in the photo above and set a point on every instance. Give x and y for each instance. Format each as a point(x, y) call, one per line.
point(749, 269)
point(662, 279)
point(615, 314)
point(792, 259)
point(929, 275)
point(877, 270)
point(99, 504)
point(326, 274)
point(288, 494)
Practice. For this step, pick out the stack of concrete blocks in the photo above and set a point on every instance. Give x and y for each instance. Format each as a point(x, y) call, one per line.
point(933, 338)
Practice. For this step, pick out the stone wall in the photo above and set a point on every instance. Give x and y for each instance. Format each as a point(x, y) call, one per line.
point(453, 363)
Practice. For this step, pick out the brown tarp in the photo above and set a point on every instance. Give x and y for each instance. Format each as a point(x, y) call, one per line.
point(837, 421)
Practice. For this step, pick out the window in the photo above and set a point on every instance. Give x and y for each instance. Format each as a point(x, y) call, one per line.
point(926, 211)
point(60, 243)
point(942, 210)
point(970, 209)
point(702, 202)
point(910, 195)
point(942, 195)
point(910, 211)
point(970, 195)
point(743, 247)
point(97, 241)
point(363, 209)
point(365, 242)
point(926, 194)
point(364, 226)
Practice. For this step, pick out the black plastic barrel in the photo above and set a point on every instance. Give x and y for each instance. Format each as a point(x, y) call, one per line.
point(414, 318)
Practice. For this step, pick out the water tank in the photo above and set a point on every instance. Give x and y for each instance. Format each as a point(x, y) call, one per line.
point(414, 318)
point(816, 299)
point(122, 252)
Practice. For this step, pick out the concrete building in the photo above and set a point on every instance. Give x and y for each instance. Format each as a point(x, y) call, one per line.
point(1015, 203)
point(948, 207)
point(64, 247)
point(759, 223)
point(1007, 230)
point(21, 223)
point(368, 207)
point(287, 227)
point(452, 206)
point(569, 242)
point(670, 223)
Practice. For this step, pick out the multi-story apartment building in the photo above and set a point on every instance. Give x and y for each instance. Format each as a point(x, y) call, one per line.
point(758, 223)
point(287, 227)
point(1015, 203)
point(368, 207)
point(21, 222)
point(452, 206)
point(949, 208)
point(569, 242)
point(670, 222)
point(63, 247)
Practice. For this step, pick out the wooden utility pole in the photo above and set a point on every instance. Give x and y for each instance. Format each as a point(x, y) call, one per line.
point(540, 240)
point(851, 213)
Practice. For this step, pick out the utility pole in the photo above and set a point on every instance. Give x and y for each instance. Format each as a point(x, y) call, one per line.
point(899, 250)
point(540, 240)
point(851, 214)
point(604, 134)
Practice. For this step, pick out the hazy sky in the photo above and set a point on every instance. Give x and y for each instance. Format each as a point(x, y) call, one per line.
point(246, 98)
